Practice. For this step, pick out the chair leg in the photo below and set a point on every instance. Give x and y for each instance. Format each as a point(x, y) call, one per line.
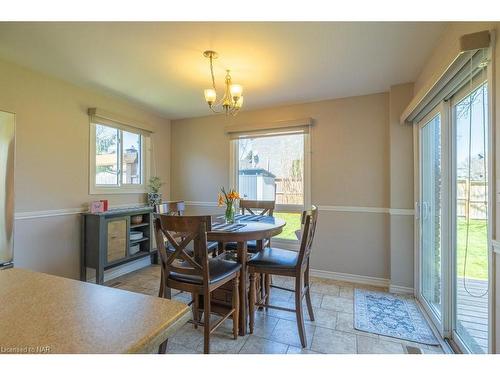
point(267, 283)
point(163, 347)
point(162, 285)
point(298, 311)
point(251, 302)
point(206, 316)
point(308, 295)
point(262, 283)
point(167, 292)
point(196, 309)
point(236, 305)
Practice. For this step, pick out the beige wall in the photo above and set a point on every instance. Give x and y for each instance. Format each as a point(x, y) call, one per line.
point(444, 53)
point(52, 151)
point(401, 189)
point(350, 167)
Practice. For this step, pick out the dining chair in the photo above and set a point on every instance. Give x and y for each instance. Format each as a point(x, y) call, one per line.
point(275, 261)
point(195, 272)
point(262, 208)
point(176, 208)
point(254, 207)
point(171, 208)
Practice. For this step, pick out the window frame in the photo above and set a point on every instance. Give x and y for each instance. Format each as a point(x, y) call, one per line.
point(285, 208)
point(120, 187)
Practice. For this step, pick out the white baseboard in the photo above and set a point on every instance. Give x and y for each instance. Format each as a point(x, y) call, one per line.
point(124, 269)
point(397, 289)
point(358, 279)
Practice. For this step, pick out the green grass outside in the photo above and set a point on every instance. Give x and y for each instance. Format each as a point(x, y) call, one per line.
point(477, 259)
point(477, 256)
point(292, 224)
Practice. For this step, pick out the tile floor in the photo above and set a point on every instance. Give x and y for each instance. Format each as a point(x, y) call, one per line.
point(276, 331)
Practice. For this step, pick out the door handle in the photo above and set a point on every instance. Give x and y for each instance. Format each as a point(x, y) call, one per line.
point(425, 210)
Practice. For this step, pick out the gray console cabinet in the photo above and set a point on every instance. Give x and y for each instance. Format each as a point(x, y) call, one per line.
point(106, 241)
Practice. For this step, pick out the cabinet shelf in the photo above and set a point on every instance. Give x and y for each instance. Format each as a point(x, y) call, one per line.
point(140, 240)
point(138, 225)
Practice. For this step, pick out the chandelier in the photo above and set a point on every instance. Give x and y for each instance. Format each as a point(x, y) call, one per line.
point(232, 100)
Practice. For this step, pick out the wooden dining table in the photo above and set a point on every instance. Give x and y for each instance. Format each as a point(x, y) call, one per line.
point(245, 228)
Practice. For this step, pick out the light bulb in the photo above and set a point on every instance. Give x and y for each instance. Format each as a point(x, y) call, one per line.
point(210, 96)
point(236, 91)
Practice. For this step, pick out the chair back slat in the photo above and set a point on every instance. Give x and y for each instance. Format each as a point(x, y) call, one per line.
point(179, 251)
point(188, 229)
point(308, 222)
point(266, 207)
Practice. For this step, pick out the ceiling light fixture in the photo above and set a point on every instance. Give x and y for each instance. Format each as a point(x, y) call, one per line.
point(232, 100)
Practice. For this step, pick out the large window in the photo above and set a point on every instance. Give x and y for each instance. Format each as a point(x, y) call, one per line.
point(272, 167)
point(118, 160)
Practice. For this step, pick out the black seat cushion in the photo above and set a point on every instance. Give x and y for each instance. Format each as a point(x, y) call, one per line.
point(218, 268)
point(251, 246)
point(272, 257)
point(211, 246)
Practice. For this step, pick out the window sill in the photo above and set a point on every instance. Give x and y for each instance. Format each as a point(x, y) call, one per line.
point(117, 190)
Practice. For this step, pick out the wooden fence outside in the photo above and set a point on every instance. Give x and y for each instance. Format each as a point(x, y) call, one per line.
point(477, 207)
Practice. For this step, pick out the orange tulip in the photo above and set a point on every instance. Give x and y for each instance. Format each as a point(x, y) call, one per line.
point(227, 197)
point(220, 200)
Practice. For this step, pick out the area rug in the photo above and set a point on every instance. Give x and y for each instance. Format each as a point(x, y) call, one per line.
point(391, 315)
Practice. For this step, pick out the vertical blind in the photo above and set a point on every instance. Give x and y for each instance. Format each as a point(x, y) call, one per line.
point(473, 56)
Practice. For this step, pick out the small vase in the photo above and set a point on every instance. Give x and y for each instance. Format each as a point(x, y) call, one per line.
point(229, 215)
point(154, 199)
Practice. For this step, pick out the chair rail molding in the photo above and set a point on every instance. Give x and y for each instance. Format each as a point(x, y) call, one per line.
point(26, 215)
point(201, 203)
point(361, 209)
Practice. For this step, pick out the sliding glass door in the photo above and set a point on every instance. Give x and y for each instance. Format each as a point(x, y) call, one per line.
point(431, 218)
point(453, 241)
point(471, 224)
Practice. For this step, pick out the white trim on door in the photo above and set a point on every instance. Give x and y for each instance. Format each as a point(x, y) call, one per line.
point(496, 246)
point(437, 316)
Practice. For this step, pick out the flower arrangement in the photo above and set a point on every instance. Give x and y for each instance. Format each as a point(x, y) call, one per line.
point(228, 199)
point(155, 184)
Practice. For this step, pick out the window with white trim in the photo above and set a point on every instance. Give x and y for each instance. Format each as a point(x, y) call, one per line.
point(274, 166)
point(118, 159)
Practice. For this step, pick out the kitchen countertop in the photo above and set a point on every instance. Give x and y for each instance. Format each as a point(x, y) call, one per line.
point(41, 313)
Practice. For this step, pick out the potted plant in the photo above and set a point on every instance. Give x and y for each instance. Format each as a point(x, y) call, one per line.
point(154, 195)
point(228, 199)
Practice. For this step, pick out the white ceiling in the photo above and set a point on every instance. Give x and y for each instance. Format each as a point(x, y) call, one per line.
point(160, 64)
